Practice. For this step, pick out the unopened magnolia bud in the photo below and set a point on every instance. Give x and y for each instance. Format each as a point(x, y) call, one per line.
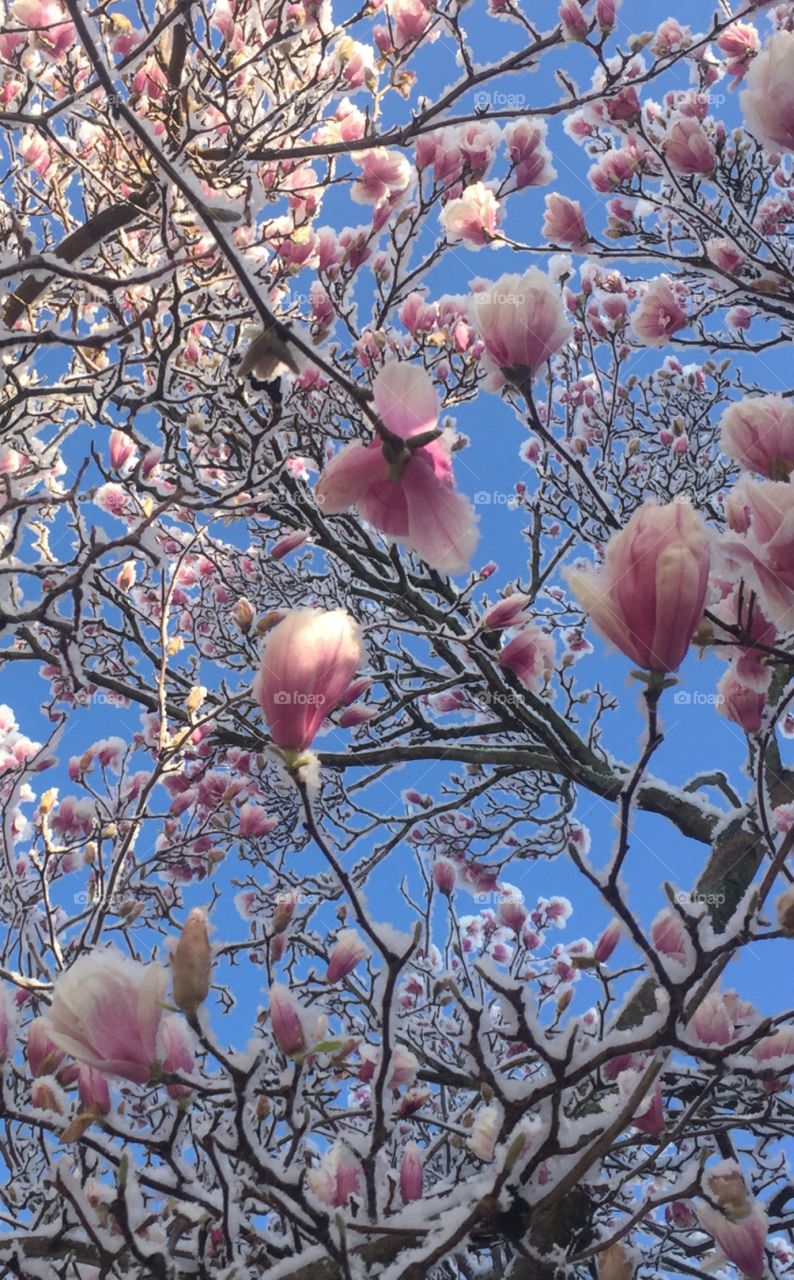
point(125, 579)
point(785, 912)
point(564, 999)
point(704, 634)
point(47, 1096)
point(444, 875)
point(607, 942)
point(47, 801)
point(191, 964)
point(268, 621)
point(411, 1174)
point(243, 614)
point(263, 1107)
point(347, 951)
point(616, 1263)
point(284, 911)
point(195, 698)
point(78, 1126)
point(484, 1133)
point(286, 1021)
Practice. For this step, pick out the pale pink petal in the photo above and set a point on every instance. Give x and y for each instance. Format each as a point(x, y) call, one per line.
point(349, 475)
point(406, 399)
point(442, 526)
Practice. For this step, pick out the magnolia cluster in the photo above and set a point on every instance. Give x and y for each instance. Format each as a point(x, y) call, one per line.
point(472, 214)
point(664, 569)
point(108, 1015)
point(402, 481)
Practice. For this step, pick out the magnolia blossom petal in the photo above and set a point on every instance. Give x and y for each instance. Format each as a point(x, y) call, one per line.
point(442, 523)
point(768, 99)
point(349, 475)
point(106, 1012)
point(405, 398)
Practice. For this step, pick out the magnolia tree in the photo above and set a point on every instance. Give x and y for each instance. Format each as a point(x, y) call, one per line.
point(283, 744)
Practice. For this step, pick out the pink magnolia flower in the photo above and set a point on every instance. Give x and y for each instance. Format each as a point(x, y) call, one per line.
point(403, 1067)
point(720, 1018)
point(507, 612)
point(671, 939)
point(575, 25)
point(759, 433)
point(383, 174)
point(529, 156)
point(346, 953)
point(337, 1178)
point(521, 320)
point(45, 17)
point(765, 554)
point(740, 702)
point(616, 168)
point(650, 1116)
point(564, 221)
point(477, 142)
point(472, 218)
point(410, 20)
point(93, 1089)
point(411, 1173)
point(688, 149)
point(444, 876)
point(44, 1056)
point(357, 713)
point(647, 598)
point(659, 315)
point(776, 1051)
point(253, 821)
point(768, 99)
point(484, 1132)
point(608, 941)
point(739, 318)
point(725, 254)
point(670, 35)
point(295, 1028)
point(122, 449)
point(679, 1215)
point(511, 912)
point(106, 1012)
point(606, 13)
point(308, 661)
point(291, 542)
point(740, 1225)
point(530, 656)
point(410, 497)
point(35, 152)
point(740, 43)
